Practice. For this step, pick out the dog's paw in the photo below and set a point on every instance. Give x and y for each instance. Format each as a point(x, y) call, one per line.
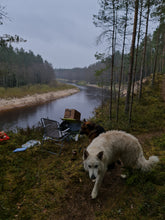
point(94, 194)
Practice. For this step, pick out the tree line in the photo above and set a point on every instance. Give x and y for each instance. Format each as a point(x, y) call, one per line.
point(126, 23)
point(77, 74)
point(18, 68)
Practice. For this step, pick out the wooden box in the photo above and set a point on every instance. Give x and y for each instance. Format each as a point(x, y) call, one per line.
point(72, 113)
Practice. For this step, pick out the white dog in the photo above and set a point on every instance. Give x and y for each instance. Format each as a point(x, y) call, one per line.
point(108, 148)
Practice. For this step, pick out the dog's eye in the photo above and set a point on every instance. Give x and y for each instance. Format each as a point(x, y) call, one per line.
point(89, 166)
point(96, 166)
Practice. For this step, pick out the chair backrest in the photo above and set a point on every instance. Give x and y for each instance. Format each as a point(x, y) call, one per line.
point(51, 128)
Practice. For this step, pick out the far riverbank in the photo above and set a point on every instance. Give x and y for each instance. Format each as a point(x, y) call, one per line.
point(36, 99)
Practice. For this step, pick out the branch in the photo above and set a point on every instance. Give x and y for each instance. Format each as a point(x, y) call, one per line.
point(6, 38)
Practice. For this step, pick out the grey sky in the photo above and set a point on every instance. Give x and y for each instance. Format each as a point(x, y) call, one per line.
point(61, 31)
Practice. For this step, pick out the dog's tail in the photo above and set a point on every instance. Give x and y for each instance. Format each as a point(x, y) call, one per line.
point(146, 165)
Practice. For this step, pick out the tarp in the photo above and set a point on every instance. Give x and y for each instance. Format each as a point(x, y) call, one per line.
point(27, 145)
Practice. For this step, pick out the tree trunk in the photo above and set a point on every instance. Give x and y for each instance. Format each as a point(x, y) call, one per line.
point(136, 59)
point(156, 57)
point(122, 61)
point(144, 50)
point(132, 57)
point(112, 63)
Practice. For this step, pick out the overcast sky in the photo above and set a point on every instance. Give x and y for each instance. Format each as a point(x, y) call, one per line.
point(61, 31)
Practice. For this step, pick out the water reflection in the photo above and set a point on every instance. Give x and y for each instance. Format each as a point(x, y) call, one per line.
point(85, 102)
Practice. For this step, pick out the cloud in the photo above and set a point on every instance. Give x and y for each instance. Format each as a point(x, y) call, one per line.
point(61, 31)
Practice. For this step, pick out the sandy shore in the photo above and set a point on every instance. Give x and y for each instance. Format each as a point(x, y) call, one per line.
point(8, 104)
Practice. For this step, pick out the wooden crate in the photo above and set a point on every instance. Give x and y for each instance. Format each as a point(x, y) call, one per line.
point(72, 113)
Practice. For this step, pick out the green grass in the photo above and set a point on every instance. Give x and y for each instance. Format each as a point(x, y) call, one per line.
point(148, 113)
point(37, 185)
point(19, 92)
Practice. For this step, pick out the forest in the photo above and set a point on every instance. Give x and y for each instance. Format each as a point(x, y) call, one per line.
point(132, 52)
point(19, 68)
point(151, 44)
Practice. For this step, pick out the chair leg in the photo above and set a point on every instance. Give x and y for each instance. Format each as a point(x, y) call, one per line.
point(51, 152)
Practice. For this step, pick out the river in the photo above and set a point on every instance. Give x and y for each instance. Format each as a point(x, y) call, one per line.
point(84, 101)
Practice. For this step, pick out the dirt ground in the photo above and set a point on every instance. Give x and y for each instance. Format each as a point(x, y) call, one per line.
point(79, 205)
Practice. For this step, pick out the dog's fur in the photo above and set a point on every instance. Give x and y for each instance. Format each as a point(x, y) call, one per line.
point(109, 147)
point(91, 129)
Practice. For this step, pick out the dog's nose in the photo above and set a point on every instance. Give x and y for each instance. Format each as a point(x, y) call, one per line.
point(93, 177)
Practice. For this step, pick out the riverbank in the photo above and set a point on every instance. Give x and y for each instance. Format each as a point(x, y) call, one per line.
point(36, 99)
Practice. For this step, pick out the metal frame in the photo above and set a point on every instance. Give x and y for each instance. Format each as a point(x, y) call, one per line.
point(53, 132)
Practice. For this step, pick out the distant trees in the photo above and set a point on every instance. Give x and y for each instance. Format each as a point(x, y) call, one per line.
point(87, 74)
point(18, 68)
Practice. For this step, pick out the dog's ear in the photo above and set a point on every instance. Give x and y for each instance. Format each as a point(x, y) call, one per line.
point(100, 155)
point(86, 154)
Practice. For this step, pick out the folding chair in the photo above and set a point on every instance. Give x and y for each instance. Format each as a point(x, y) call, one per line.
point(53, 132)
point(74, 126)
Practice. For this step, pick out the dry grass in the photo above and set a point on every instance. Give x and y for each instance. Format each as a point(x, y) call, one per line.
point(19, 92)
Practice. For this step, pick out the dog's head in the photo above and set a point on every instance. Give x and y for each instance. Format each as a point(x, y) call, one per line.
point(87, 127)
point(93, 164)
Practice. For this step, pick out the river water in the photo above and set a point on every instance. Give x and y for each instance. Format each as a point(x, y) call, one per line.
point(84, 101)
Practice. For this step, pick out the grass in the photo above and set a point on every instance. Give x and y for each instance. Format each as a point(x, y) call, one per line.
point(147, 113)
point(38, 185)
point(19, 92)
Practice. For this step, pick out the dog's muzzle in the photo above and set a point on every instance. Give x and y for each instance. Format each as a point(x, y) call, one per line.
point(93, 178)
